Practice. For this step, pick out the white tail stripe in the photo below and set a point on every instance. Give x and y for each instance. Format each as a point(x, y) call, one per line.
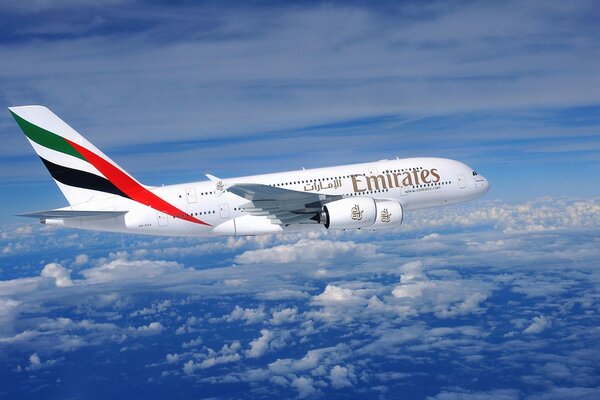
point(63, 159)
point(77, 195)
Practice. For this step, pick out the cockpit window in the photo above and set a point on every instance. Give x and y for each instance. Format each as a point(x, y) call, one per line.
point(474, 173)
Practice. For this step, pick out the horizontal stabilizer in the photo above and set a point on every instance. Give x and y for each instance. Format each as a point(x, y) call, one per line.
point(67, 214)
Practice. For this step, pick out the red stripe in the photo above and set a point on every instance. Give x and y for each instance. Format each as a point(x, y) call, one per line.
point(131, 187)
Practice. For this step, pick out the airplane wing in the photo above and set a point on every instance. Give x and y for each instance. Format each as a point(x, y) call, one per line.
point(283, 206)
point(66, 214)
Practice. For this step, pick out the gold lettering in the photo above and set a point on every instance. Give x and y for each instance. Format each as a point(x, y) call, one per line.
point(396, 175)
point(355, 182)
point(436, 176)
point(407, 181)
point(390, 183)
point(416, 175)
point(424, 175)
point(374, 180)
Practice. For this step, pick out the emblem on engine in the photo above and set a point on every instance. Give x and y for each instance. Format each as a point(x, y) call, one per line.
point(385, 215)
point(220, 186)
point(356, 213)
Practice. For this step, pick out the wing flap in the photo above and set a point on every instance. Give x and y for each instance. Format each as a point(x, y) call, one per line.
point(282, 206)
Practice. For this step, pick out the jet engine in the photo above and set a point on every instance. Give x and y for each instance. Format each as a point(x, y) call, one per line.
point(361, 212)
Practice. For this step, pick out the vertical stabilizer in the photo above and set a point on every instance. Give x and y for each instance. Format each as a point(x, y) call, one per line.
point(82, 172)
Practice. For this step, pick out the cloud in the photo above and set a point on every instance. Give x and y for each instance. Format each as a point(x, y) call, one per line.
point(61, 275)
point(538, 325)
point(287, 315)
point(335, 294)
point(36, 363)
point(9, 309)
point(124, 270)
point(82, 259)
point(153, 328)
point(227, 354)
point(375, 323)
point(308, 251)
point(260, 345)
point(249, 315)
point(305, 387)
point(445, 297)
point(340, 377)
point(463, 394)
point(283, 294)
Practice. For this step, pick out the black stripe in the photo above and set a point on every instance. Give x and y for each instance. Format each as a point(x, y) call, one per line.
point(81, 179)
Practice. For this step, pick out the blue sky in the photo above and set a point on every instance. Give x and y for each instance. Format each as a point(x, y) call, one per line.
point(510, 88)
point(495, 299)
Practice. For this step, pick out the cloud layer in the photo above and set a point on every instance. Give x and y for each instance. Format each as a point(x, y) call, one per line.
point(497, 302)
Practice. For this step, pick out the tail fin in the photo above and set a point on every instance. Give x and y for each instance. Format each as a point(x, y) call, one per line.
point(81, 171)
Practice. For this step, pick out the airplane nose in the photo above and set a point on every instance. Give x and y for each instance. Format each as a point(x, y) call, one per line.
point(481, 185)
point(485, 185)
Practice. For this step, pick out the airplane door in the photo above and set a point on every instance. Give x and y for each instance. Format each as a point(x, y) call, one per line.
point(163, 219)
point(224, 210)
point(190, 194)
point(462, 183)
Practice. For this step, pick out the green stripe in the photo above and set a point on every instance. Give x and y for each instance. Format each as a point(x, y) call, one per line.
point(46, 138)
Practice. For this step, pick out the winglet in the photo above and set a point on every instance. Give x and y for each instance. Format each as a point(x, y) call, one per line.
point(212, 178)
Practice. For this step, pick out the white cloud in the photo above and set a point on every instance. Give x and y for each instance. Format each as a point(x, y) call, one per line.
point(228, 354)
point(411, 271)
point(538, 325)
point(172, 358)
point(260, 345)
point(413, 289)
point(283, 294)
point(153, 328)
point(445, 297)
point(61, 275)
point(308, 251)
point(340, 377)
point(336, 294)
point(304, 386)
point(465, 394)
point(9, 309)
point(36, 363)
point(122, 270)
point(284, 316)
point(154, 309)
point(250, 315)
point(82, 259)
point(34, 359)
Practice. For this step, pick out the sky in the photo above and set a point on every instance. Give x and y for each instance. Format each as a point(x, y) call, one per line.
point(494, 299)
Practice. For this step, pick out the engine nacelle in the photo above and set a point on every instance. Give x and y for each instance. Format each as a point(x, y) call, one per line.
point(350, 213)
point(389, 214)
point(361, 212)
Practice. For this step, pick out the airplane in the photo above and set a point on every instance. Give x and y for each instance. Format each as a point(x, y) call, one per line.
point(368, 196)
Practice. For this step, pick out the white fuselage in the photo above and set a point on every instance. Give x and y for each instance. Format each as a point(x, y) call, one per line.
point(415, 183)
